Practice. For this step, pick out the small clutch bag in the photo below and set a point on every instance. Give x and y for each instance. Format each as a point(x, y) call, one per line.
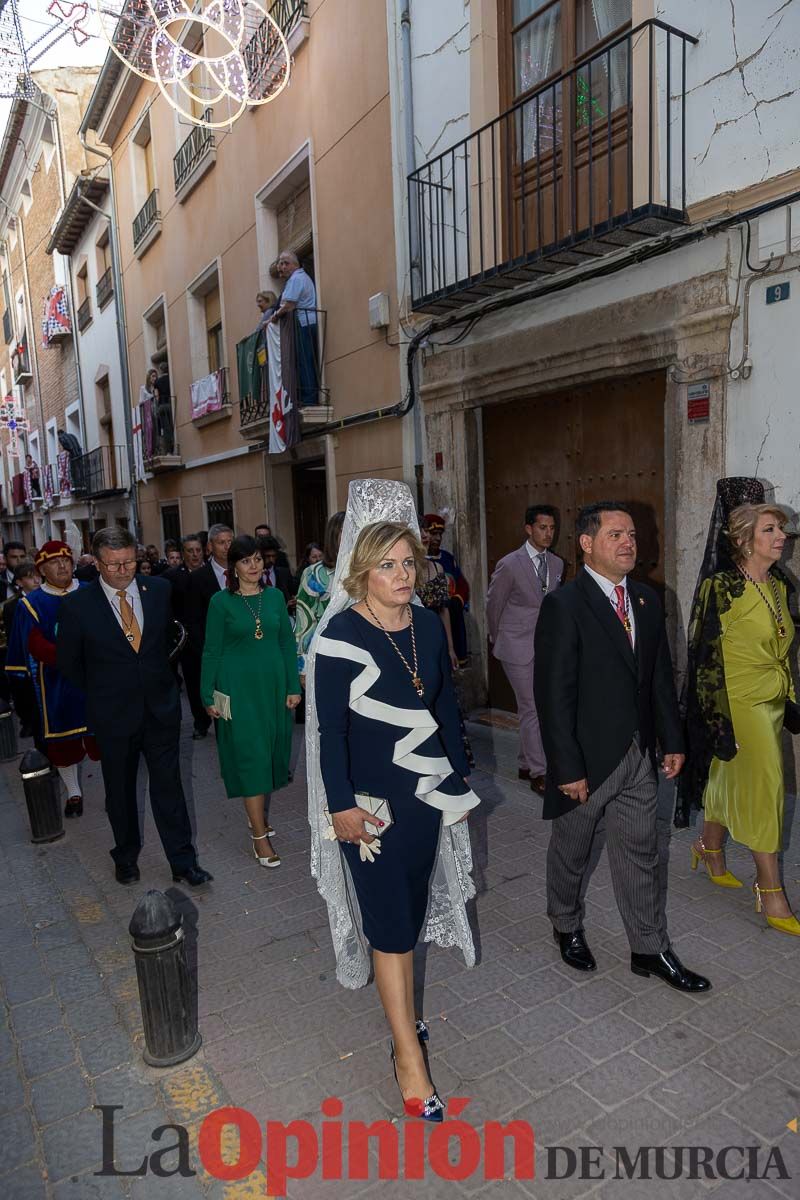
point(379, 809)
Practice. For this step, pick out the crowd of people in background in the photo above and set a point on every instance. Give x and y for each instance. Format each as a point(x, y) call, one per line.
point(97, 650)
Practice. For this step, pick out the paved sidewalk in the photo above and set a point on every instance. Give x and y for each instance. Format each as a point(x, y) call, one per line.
point(613, 1060)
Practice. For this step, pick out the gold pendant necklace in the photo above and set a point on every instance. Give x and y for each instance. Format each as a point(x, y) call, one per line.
point(777, 611)
point(259, 633)
point(416, 680)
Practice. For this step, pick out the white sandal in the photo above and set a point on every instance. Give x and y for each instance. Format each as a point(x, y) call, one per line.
point(274, 859)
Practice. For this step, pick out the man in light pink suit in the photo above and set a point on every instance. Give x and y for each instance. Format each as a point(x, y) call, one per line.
point(519, 584)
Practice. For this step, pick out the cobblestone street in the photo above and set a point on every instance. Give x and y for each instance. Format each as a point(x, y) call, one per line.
point(613, 1060)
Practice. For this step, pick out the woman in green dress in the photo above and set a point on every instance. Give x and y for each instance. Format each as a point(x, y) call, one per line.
point(250, 656)
point(743, 685)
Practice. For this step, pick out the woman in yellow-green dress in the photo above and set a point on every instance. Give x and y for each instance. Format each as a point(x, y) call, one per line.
point(742, 683)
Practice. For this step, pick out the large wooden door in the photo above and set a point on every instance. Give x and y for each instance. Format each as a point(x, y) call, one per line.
point(310, 503)
point(604, 441)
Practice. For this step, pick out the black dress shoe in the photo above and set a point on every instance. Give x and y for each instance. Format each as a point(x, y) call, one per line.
point(127, 874)
point(574, 950)
point(668, 966)
point(194, 876)
point(74, 807)
point(199, 734)
point(538, 785)
point(523, 773)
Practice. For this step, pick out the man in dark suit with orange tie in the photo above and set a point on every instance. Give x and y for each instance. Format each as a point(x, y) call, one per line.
point(112, 643)
point(605, 695)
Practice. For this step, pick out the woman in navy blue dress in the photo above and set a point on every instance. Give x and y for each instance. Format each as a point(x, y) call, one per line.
point(389, 728)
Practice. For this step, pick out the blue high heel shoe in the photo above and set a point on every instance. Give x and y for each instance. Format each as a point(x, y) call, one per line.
point(432, 1108)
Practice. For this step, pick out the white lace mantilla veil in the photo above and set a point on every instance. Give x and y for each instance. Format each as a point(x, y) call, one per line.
point(446, 922)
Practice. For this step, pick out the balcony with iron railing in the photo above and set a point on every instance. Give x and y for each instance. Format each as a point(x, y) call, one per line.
point(262, 53)
point(209, 398)
point(21, 361)
point(301, 376)
point(159, 444)
point(105, 289)
point(587, 164)
point(196, 155)
point(84, 314)
point(101, 472)
point(146, 224)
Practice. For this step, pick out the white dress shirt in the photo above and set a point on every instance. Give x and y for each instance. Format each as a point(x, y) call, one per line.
point(134, 599)
point(608, 589)
point(219, 572)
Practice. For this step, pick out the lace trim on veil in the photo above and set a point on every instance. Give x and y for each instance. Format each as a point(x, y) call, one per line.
point(446, 922)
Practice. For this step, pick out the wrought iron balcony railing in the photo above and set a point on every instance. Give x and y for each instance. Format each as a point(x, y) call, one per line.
point(301, 370)
point(101, 472)
point(590, 162)
point(146, 218)
point(192, 150)
point(261, 52)
point(105, 288)
point(84, 314)
point(158, 430)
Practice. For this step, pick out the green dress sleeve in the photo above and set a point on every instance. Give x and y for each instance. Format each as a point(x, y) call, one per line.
point(212, 649)
point(286, 638)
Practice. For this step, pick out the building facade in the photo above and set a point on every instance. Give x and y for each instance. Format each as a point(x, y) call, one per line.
point(50, 483)
point(604, 225)
point(202, 216)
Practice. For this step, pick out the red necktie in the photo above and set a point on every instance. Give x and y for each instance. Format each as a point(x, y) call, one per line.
point(621, 610)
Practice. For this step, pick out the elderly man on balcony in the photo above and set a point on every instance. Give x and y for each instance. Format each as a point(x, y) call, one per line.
point(300, 296)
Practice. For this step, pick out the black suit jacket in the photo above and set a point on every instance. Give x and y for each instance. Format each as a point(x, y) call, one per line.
point(284, 582)
point(593, 692)
point(178, 579)
point(121, 686)
point(201, 587)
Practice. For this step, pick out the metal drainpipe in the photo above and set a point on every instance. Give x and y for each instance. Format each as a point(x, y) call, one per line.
point(119, 306)
point(410, 146)
point(48, 528)
point(72, 307)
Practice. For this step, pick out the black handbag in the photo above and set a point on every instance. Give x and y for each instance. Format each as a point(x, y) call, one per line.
point(791, 717)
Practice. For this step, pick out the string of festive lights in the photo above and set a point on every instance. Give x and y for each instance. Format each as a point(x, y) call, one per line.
point(200, 55)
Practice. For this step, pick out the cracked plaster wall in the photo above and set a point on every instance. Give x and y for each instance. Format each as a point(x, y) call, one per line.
point(440, 41)
point(743, 91)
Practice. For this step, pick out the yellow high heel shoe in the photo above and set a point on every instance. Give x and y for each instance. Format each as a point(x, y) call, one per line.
point(727, 880)
point(782, 924)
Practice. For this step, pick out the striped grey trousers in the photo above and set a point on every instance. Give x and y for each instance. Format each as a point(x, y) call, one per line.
point(627, 800)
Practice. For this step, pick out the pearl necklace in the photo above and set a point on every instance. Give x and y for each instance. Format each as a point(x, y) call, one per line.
point(777, 611)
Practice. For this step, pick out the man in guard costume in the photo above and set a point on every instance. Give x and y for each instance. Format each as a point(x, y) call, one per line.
point(457, 585)
point(32, 651)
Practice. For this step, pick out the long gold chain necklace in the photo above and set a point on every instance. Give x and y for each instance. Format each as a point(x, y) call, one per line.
point(419, 686)
point(259, 633)
point(777, 611)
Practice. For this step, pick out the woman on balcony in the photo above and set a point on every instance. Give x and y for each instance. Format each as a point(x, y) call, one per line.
point(249, 685)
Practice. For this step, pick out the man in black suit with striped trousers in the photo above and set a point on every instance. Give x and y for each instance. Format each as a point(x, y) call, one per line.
point(605, 695)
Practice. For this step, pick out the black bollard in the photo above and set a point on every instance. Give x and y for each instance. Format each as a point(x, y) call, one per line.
point(43, 797)
point(165, 988)
point(8, 734)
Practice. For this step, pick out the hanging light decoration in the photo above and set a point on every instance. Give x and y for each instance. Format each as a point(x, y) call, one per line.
point(201, 55)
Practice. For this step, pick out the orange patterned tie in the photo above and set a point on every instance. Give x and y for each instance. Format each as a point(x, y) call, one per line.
point(130, 626)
